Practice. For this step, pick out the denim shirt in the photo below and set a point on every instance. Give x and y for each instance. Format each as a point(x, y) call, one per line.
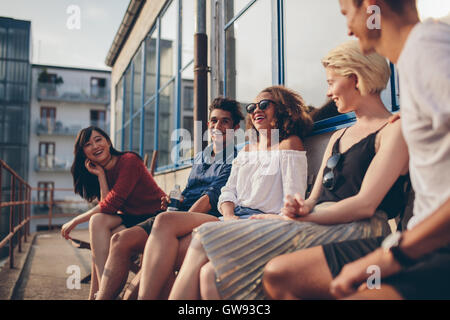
point(207, 176)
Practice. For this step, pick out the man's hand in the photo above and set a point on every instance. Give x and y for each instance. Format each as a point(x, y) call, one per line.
point(353, 276)
point(165, 200)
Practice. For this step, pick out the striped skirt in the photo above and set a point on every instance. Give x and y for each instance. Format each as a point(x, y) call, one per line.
point(239, 249)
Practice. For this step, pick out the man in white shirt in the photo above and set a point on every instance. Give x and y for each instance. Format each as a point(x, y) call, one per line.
point(414, 264)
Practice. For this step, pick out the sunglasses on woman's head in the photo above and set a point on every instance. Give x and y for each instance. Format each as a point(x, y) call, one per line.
point(263, 105)
point(329, 179)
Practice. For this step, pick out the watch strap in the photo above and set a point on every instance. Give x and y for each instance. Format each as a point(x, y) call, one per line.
point(401, 257)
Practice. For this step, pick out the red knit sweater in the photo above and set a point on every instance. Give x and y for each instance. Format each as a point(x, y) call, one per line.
point(132, 189)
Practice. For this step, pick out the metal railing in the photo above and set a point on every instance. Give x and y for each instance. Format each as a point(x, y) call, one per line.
point(20, 203)
point(55, 92)
point(19, 206)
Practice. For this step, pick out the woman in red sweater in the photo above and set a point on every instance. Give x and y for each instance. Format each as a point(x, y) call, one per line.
point(126, 191)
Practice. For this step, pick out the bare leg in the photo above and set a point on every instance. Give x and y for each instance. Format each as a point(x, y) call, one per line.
point(386, 292)
point(94, 282)
point(187, 284)
point(131, 293)
point(302, 274)
point(123, 245)
point(100, 230)
point(208, 288)
point(163, 249)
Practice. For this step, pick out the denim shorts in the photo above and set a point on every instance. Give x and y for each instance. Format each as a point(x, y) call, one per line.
point(244, 212)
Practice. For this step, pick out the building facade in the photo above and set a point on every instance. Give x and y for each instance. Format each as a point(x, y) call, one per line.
point(64, 100)
point(15, 40)
point(252, 44)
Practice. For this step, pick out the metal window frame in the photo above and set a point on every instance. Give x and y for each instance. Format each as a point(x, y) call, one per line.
point(159, 88)
point(279, 63)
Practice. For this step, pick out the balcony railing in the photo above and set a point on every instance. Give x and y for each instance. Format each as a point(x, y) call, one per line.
point(54, 92)
point(56, 128)
point(50, 163)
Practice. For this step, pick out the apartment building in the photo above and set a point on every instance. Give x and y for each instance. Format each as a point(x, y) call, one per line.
point(64, 100)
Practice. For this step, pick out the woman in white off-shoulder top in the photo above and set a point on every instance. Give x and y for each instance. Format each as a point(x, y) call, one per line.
point(271, 166)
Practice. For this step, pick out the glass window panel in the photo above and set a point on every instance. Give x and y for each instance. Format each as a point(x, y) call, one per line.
point(2, 124)
point(168, 44)
point(234, 7)
point(150, 74)
point(187, 104)
point(127, 98)
point(17, 44)
point(188, 23)
point(2, 91)
point(137, 133)
point(118, 141)
point(3, 37)
point(248, 53)
point(137, 80)
point(308, 40)
point(149, 129)
point(119, 105)
point(126, 140)
point(14, 125)
point(165, 121)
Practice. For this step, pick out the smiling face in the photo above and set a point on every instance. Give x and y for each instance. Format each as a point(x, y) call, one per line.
point(97, 148)
point(263, 119)
point(342, 90)
point(219, 122)
point(357, 25)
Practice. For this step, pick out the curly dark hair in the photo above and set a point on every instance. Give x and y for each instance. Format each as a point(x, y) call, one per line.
point(291, 114)
point(230, 105)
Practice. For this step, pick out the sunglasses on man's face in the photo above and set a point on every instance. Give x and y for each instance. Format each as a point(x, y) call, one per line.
point(329, 179)
point(263, 105)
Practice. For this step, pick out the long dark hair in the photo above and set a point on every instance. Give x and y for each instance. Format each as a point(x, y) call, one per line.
point(85, 183)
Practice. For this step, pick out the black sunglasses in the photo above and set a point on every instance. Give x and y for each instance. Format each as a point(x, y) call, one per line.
point(263, 105)
point(329, 179)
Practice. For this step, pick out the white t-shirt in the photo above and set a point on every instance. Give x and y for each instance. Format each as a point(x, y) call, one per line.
point(424, 71)
point(261, 179)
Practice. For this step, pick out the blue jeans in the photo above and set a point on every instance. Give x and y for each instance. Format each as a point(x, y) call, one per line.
point(244, 212)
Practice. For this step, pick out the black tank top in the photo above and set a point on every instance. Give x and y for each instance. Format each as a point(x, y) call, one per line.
point(350, 171)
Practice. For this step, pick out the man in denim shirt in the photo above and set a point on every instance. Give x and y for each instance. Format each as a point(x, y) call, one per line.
point(208, 175)
point(212, 167)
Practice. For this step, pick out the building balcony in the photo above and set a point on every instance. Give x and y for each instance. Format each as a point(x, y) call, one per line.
point(50, 163)
point(64, 93)
point(58, 128)
point(55, 128)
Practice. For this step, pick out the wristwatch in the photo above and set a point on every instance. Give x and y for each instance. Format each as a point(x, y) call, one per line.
point(392, 244)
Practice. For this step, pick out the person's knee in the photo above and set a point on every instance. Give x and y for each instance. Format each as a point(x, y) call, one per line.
point(163, 222)
point(97, 221)
point(275, 274)
point(207, 281)
point(121, 242)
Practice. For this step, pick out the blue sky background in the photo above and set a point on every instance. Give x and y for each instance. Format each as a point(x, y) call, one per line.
point(54, 43)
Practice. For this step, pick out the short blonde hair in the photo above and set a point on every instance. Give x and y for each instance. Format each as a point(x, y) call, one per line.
point(372, 71)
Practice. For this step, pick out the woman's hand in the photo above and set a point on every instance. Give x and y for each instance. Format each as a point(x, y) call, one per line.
point(67, 227)
point(94, 168)
point(295, 206)
point(269, 216)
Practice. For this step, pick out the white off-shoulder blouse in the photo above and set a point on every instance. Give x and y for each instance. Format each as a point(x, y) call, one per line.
point(261, 179)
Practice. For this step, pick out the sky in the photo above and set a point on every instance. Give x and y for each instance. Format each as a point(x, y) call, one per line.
point(79, 33)
point(76, 33)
